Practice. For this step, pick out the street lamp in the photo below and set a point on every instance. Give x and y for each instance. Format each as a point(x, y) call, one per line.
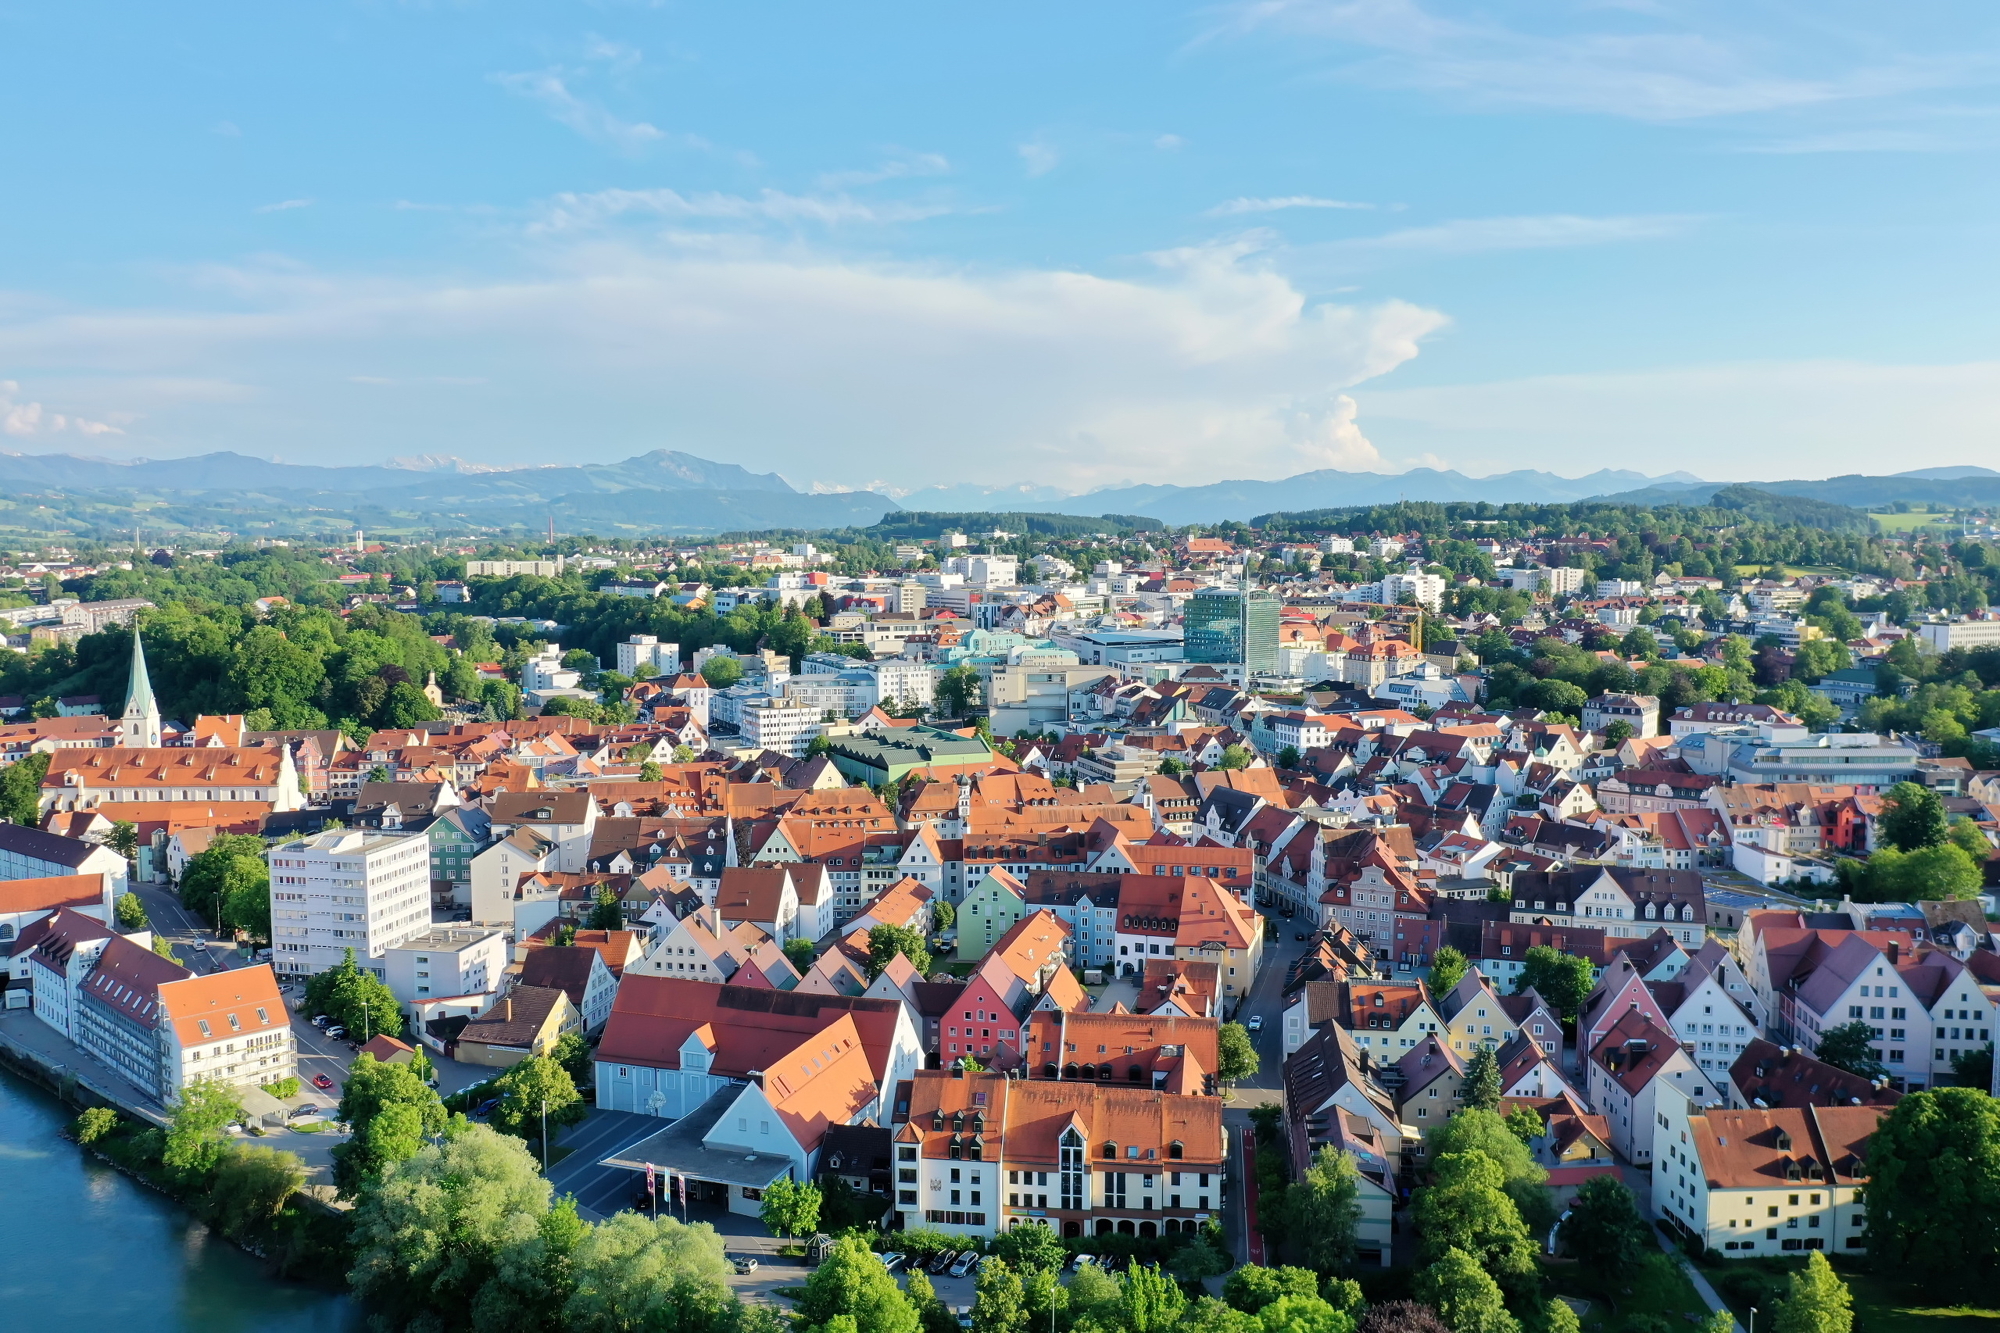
point(545, 1135)
point(1753, 1319)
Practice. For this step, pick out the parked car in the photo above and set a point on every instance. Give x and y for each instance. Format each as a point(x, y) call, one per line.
point(322, 1020)
point(965, 1263)
point(746, 1264)
point(308, 1109)
point(892, 1261)
point(941, 1261)
point(336, 1031)
point(1256, 1023)
point(322, 1082)
point(485, 1108)
point(965, 1316)
point(1082, 1261)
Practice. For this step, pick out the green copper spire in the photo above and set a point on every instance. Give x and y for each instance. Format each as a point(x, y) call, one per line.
point(142, 715)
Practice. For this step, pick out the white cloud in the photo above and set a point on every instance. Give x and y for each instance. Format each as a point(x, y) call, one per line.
point(568, 212)
point(1237, 207)
point(794, 359)
point(1039, 158)
point(283, 206)
point(550, 88)
point(1337, 441)
point(901, 166)
point(25, 419)
point(1737, 421)
point(1663, 63)
point(1469, 236)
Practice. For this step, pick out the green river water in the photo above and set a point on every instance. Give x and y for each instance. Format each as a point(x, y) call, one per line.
point(89, 1249)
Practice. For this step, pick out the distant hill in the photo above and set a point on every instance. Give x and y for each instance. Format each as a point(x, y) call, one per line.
point(1967, 486)
point(662, 492)
point(1765, 506)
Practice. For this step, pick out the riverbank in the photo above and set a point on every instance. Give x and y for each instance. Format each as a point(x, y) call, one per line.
point(90, 1242)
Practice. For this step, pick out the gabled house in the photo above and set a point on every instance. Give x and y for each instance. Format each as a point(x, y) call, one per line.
point(1626, 1071)
point(579, 973)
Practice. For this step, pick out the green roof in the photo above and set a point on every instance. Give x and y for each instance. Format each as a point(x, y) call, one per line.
point(911, 747)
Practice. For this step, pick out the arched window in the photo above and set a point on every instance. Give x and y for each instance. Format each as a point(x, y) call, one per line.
point(1174, 1150)
point(1136, 1074)
point(1110, 1150)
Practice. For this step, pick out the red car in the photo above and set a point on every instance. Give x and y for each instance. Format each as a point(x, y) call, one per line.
point(322, 1082)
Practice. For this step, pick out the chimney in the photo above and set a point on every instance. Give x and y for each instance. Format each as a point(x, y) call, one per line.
point(1895, 951)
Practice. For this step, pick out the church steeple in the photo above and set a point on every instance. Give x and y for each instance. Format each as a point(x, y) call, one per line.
point(141, 724)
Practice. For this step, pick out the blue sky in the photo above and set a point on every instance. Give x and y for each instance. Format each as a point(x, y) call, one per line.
point(1065, 244)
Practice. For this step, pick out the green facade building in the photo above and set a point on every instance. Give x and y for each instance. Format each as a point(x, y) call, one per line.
point(1225, 625)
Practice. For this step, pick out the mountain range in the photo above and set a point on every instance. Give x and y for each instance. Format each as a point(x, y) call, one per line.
point(666, 491)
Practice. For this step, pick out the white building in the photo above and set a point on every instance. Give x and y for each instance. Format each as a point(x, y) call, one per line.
point(347, 889)
point(545, 671)
point(446, 962)
point(643, 656)
point(1943, 636)
point(1425, 590)
point(784, 725)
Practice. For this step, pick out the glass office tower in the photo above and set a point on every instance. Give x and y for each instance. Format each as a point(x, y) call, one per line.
point(1225, 625)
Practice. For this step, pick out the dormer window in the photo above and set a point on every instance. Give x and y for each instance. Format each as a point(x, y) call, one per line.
point(1110, 1150)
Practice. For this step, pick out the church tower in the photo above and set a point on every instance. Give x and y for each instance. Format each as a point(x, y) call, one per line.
point(140, 727)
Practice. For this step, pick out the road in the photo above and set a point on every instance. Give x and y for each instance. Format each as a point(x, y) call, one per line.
point(1266, 1000)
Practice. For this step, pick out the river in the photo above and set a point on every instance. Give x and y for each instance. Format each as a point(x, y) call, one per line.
point(87, 1247)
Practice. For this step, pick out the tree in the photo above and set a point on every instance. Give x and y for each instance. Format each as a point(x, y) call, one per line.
point(1234, 756)
point(1616, 735)
point(1235, 1054)
point(1933, 1190)
point(131, 912)
point(651, 772)
point(94, 1124)
point(943, 915)
point(526, 1091)
point(390, 1113)
point(1816, 1300)
point(1323, 1210)
point(932, 1314)
point(1973, 1067)
point(194, 1133)
point(1304, 1314)
point(1252, 1287)
point(1466, 1211)
point(605, 911)
point(885, 942)
point(635, 1272)
point(1482, 1080)
point(851, 1281)
point(1152, 1302)
point(1848, 1047)
point(226, 875)
point(1466, 1299)
point(957, 687)
point(1288, 757)
point(435, 1230)
point(355, 999)
point(21, 789)
point(1929, 874)
point(1604, 1230)
point(165, 949)
point(1447, 970)
point(250, 1188)
point(124, 840)
point(1559, 1317)
point(1524, 1124)
point(1563, 979)
point(801, 953)
point(790, 1207)
point(1912, 817)
point(573, 1051)
point(1400, 1317)
point(1030, 1246)
point(996, 1299)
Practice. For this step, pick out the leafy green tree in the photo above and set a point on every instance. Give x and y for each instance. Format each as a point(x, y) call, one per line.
point(1973, 1068)
point(21, 790)
point(932, 1314)
point(355, 999)
point(1604, 1230)
point(1912, 817)
point(885, 942)
point(95, 1124)
point(997, 1305)
point(534, 1092)
point(1152, 1302)
point(1929, 874)
point(223, 875)
point(1323, 1210)
point(1289, 757)
point(851, 1281)
point(1559, 1317)
point(390, 1114)
point(1848, 1047)
point(1304, 1314)
point(801, 954)
point(434, 1231)
point(606, 913)
point(1617, 734)
point(632, 1272)
point(1467, 1210)
point(943, 915)
point(194, 1131)
point(1030, 1246)
point(534, 1273)
point(1447, 970)
point(124, 840)
point(1236, 1056)
point(1252, 1287)
point(1524, 1124)
point(1563, 979)
point(957, 687)
point(1234, 756)
point(250, 1188)
point(131, 912)
point(1526, 1182)
point(165, 949)
point(1933, 1191)
point(1464, 1296)
point(573, 1052)
point(651, 772)
point(1816, 1300)
point(791, 1207)
point(1482, 1080)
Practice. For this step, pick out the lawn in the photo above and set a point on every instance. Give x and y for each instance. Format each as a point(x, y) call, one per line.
point(1881, 1304)
point(1635, 1301)
point(1907, 522)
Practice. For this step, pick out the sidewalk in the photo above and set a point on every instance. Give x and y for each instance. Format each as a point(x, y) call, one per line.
point(1641, 1183)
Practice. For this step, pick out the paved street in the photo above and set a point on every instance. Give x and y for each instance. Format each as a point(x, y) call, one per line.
point(602, 1190)
point(1266, 999)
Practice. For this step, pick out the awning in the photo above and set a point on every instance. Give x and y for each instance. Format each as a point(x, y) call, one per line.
point(679, 1147)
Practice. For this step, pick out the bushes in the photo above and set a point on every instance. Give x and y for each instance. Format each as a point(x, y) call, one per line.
point(95, 1123)
point(283, 1088)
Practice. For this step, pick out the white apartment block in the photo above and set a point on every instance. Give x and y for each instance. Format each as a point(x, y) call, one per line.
point(784, 725)
point(447, 962)
point(347, 889)
point(643, 656)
